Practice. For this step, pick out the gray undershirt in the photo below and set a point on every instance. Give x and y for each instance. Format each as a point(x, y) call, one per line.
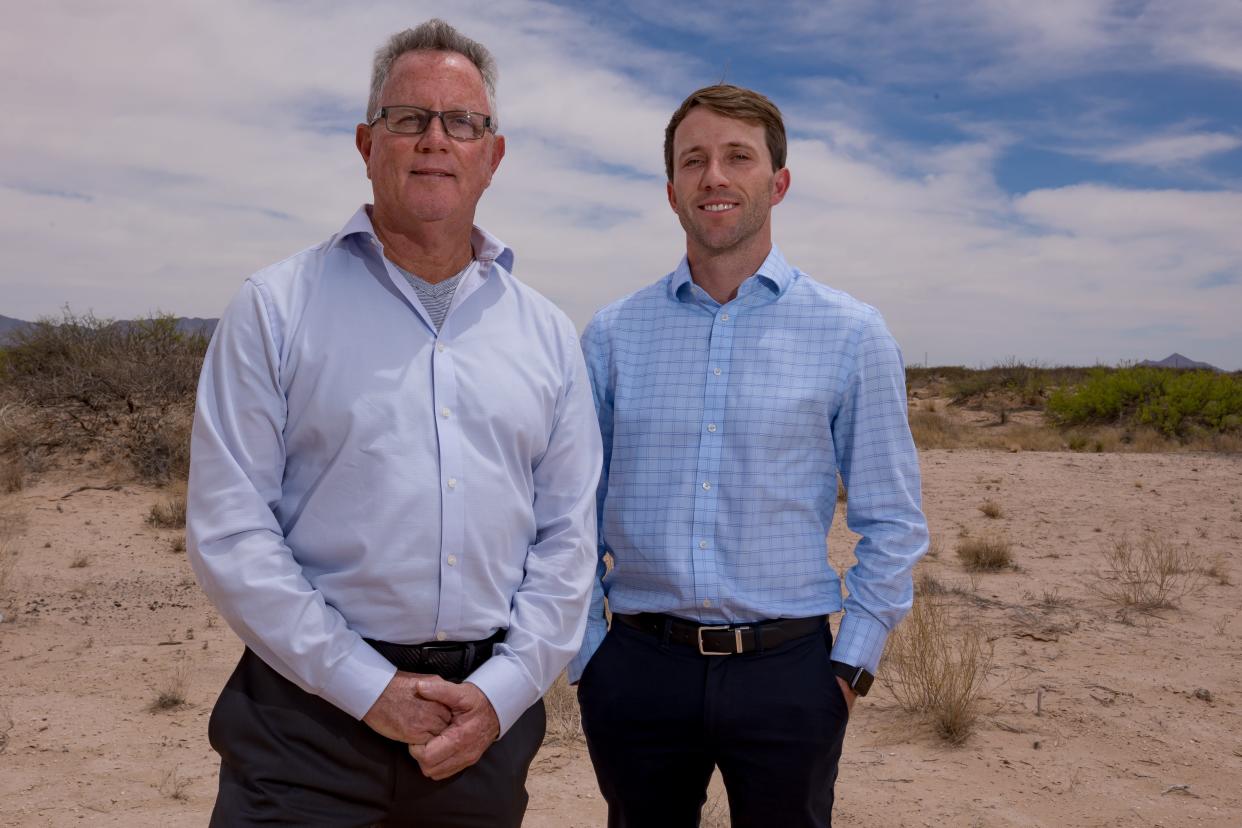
point(438, 297)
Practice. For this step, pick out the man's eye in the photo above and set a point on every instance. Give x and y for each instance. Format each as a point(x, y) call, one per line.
point(692, 162)
point(740, 156)
point(410, 120)
point(460, 119)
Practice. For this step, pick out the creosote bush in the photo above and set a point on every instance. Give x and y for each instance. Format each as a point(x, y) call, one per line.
point(125, 389)
point(937, 670)
point(1177, 403)
point(564, 717)
point(170, 514)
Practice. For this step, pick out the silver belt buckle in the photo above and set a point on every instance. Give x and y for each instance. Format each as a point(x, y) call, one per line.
point(737, 641)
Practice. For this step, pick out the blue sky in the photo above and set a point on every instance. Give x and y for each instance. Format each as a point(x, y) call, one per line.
point(1056, 181)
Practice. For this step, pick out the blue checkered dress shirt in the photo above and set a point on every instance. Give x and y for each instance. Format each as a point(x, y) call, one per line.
point(724, 429)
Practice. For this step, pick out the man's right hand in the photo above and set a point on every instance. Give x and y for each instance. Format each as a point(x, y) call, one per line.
point(402, 715)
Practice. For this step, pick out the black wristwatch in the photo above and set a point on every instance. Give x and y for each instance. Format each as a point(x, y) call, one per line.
point(857, 678)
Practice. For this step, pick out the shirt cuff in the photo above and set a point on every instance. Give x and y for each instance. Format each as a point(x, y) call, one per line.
point(596, 629)
point(860, 641)
point(358, 680)
point(506, 687)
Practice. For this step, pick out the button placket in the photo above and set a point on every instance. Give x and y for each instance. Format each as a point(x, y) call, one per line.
point(706, 501)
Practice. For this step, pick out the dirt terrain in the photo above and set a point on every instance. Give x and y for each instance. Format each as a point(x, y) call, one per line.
point(1092, 715)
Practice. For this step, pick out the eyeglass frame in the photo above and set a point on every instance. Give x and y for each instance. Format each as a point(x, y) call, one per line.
point(488, 124)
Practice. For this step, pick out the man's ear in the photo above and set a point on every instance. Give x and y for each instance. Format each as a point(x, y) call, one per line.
point(780, 185)
point(362, 140)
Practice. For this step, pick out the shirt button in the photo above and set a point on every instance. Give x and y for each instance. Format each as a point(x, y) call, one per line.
point(440, 347)
point(452, 482)
point(440, 636)
point(707, 487)
point(702, 544)
point(711, 427)
point(444, 412)
point(451, 560)
point(724, 317)
point(707, 602)
point(716, 371)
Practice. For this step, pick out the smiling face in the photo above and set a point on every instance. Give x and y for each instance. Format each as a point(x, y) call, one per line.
point(429, 177)
point(723, 186)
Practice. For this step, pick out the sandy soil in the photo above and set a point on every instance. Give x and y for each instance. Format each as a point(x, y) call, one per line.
point(1139, 713)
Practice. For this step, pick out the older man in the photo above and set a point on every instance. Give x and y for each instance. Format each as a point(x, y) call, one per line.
point(392, 488)
point(730, 394)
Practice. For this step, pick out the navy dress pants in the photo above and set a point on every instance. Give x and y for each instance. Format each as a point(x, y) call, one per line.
point(659, 716)
point(287, 757)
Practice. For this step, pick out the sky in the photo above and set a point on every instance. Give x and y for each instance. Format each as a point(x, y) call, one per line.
point(1057, 182)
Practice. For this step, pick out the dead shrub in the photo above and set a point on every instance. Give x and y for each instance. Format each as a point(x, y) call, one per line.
point(987, 553)
point(170, 514)
point(1153, 574)
point(173, 784)
point(80, 561)
point(564, 717)
point(171, 694)
point(6, 724)
point(12, 475)
point(937, 671)
point(991, 508)
point(1218, 570)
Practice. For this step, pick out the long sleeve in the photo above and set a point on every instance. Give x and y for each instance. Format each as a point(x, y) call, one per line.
point(879, 465)
point(236, 544)
point(549, 608)
point(596, 353)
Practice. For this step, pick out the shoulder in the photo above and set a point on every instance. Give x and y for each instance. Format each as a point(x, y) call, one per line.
point(832, 303)
point(629, 314)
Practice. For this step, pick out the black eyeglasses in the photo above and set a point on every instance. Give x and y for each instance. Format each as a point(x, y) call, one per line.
point(460, 124)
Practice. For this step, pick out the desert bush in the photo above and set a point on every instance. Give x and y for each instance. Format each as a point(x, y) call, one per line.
point(991, 508)
point(124, 388)
point(1174, 402)
point(564, 717)
point(937, 671)
point(1027, 385)
point(12, 475)
point(987, 553)
point(1153, 574)
point(173, 784)
point(168, 514)
point(171, 693)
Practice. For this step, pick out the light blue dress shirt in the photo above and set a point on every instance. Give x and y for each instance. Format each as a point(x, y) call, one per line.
point(724, 428)
point(355, 474)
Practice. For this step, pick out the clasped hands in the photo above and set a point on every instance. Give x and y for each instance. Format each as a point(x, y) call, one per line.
point(446, 725)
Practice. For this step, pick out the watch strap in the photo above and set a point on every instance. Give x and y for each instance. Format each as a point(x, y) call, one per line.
point(858, 679)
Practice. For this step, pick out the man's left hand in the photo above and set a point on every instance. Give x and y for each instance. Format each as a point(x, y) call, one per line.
point(473, 729)
point(849, 693)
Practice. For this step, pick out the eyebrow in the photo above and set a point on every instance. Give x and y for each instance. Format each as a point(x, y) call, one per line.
point(731, 145)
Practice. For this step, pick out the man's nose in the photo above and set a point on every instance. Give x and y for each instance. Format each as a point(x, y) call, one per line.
point(714, 175)
point(433, 137)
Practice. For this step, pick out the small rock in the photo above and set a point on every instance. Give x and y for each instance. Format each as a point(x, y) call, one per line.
point(1204, 694)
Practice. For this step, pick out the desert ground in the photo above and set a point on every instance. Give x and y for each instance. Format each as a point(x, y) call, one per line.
point(1091, 713)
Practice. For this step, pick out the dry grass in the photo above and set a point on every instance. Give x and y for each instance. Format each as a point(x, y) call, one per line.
point(564, 718)
point(171, 694)
point(12, 524)
point(933, 430)
point(6, 725)
point(936, 670)
point(991, 508)
point(12, 475)
point(715, 812)
point(1153, 574)
point(169, 514)
point(1218, 570)
point(987, 553)
point(173, 784)
point(80, 561)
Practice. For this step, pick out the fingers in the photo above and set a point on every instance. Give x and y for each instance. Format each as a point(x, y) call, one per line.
point(455, 697)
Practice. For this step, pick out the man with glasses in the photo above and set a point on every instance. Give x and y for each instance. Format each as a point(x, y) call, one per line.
point(392, 487)
point(730, 394)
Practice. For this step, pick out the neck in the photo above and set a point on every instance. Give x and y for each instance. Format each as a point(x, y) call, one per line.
point(721, 273)
point(431, 250)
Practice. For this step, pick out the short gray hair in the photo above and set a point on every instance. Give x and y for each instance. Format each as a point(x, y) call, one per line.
point(432, 36)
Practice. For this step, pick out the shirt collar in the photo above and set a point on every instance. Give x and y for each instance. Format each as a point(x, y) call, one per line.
point(487, 248)
point(775, 274)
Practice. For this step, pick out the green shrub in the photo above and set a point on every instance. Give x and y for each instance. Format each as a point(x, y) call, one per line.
point(1174, 402)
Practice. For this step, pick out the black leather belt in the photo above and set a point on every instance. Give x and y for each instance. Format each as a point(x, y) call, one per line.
point(451, 660)
point(723, 639)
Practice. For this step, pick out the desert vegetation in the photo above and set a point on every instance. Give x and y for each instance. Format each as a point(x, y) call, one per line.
point(1021, 407)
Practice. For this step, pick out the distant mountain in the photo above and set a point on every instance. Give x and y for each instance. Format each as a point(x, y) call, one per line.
point(1179, 361)
point(185, 324)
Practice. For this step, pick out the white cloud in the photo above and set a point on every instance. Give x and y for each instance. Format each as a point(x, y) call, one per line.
point(1171, 150)
point(152, 156)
